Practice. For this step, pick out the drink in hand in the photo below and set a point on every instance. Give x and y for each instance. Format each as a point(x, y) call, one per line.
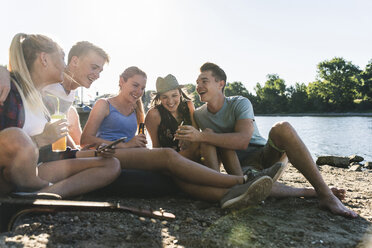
point(59, 145)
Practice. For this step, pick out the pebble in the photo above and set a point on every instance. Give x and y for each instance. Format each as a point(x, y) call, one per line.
point(189, 219)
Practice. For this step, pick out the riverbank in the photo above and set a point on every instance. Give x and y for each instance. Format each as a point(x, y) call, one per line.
point(288, 222)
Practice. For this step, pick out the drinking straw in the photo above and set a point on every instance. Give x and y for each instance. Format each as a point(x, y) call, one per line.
point(57, 98)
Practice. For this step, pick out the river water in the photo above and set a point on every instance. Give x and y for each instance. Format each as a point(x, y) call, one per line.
point(339, 136)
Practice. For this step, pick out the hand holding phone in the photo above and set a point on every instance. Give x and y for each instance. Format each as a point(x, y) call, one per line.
point(122, 139)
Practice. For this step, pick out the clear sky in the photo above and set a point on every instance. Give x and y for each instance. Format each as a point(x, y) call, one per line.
point(248, 39)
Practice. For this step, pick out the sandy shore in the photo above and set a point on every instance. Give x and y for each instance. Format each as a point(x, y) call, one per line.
point(290, 222)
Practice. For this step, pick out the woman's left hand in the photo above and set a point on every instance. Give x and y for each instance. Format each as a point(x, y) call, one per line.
point(188, 133)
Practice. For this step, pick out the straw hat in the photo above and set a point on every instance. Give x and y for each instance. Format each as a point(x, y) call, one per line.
point(166, 84)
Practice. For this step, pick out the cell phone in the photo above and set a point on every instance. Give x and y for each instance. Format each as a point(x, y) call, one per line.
point(122, 139)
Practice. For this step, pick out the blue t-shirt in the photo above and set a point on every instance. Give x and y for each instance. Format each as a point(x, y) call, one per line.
point(234, 108)
point(117, 125)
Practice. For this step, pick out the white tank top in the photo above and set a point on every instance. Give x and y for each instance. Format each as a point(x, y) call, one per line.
point(34, 122)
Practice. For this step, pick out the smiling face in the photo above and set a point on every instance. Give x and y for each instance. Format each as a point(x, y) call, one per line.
point(86, 69)
point(133, 89)
point(170, 100)
point(207, 86)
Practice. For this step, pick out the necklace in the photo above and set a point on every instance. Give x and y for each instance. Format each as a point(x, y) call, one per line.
point(70, 78)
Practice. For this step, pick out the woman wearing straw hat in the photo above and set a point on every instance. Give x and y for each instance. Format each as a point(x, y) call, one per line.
point(171, 107)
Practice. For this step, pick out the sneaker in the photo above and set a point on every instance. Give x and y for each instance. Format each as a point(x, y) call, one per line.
point(251, 193)
point(274, 172)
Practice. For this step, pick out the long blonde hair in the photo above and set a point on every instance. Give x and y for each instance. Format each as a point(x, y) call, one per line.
point(23, 52)
point(128, 73)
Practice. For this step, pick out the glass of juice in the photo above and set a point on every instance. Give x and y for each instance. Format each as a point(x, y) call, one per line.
point(59, 145)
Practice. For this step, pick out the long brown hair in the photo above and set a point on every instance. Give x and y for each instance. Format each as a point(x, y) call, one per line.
point(128, 73)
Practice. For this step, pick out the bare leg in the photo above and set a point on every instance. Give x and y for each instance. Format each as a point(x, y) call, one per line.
point(204, 154)
point(209, 153)
point(206, 193)
point(230, 161)
point(169, 161)
point(280, 190)
point(73, 177)
point(192, 150)
point(19, 156)
point(285, 137)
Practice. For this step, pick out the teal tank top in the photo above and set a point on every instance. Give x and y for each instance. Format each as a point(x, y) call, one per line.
point(117, 125)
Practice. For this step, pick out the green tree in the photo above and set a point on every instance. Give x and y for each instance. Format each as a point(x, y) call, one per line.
point(146, 99)
point(366, 86)
point(191, 92)
point(340, 81)
point(365, 89)
point(272, 96)
point(298, 98)
point(238, 89)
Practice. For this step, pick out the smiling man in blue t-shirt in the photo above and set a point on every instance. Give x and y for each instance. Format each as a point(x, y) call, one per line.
point(228, 123)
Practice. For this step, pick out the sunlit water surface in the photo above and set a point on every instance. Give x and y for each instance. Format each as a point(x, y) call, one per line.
point(339, 136)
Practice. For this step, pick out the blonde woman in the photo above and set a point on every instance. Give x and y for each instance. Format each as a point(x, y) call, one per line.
point(36, 61)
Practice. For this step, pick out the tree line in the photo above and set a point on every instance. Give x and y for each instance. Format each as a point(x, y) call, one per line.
point(340, 86)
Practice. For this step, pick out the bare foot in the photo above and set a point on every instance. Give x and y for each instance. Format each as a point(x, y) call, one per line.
point(335, 206)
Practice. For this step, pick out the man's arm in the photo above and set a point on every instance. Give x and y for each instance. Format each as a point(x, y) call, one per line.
point(74, 125)
point(238, 140)
point(4, 84)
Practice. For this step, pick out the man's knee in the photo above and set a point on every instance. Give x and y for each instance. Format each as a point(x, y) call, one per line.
point(205, 146)
point(281, 129)
point(15, 143)
point(14, 139)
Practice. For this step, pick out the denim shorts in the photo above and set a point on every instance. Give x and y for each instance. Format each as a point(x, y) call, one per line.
point(258, 156)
